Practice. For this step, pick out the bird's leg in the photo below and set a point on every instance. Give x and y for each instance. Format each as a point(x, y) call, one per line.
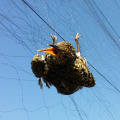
point(47, 83)
point(40, 83)
point(54, 38)
point(77, 36)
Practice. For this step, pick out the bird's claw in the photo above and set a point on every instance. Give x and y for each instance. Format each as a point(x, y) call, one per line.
point(77, 36)
point(54, 38)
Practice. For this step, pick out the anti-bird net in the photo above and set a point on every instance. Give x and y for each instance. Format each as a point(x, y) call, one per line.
point(25, 29)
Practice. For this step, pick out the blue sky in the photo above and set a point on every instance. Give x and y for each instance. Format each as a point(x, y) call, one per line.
point(22, 32)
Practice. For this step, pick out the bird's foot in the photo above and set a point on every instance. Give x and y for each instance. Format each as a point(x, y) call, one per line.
point(54, 38)
point(77, 36)
point(40, 83)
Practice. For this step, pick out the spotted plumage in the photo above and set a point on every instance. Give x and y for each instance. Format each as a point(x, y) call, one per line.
point(63, 68)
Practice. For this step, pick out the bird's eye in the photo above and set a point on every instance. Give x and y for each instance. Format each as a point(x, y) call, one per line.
point(55, 52)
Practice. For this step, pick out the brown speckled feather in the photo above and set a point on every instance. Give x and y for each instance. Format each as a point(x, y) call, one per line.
point(67, 72)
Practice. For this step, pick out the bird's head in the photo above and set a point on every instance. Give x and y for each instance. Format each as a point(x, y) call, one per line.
point(62, 52)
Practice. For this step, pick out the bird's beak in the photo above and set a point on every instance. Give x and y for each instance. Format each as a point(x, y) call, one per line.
point(51, 50)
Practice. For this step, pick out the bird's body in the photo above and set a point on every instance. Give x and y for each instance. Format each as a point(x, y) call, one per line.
point(67, 71)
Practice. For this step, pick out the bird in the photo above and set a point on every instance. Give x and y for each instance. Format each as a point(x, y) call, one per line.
point(63, 67)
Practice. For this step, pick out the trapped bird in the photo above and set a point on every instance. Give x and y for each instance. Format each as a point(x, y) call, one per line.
point(63, 67)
